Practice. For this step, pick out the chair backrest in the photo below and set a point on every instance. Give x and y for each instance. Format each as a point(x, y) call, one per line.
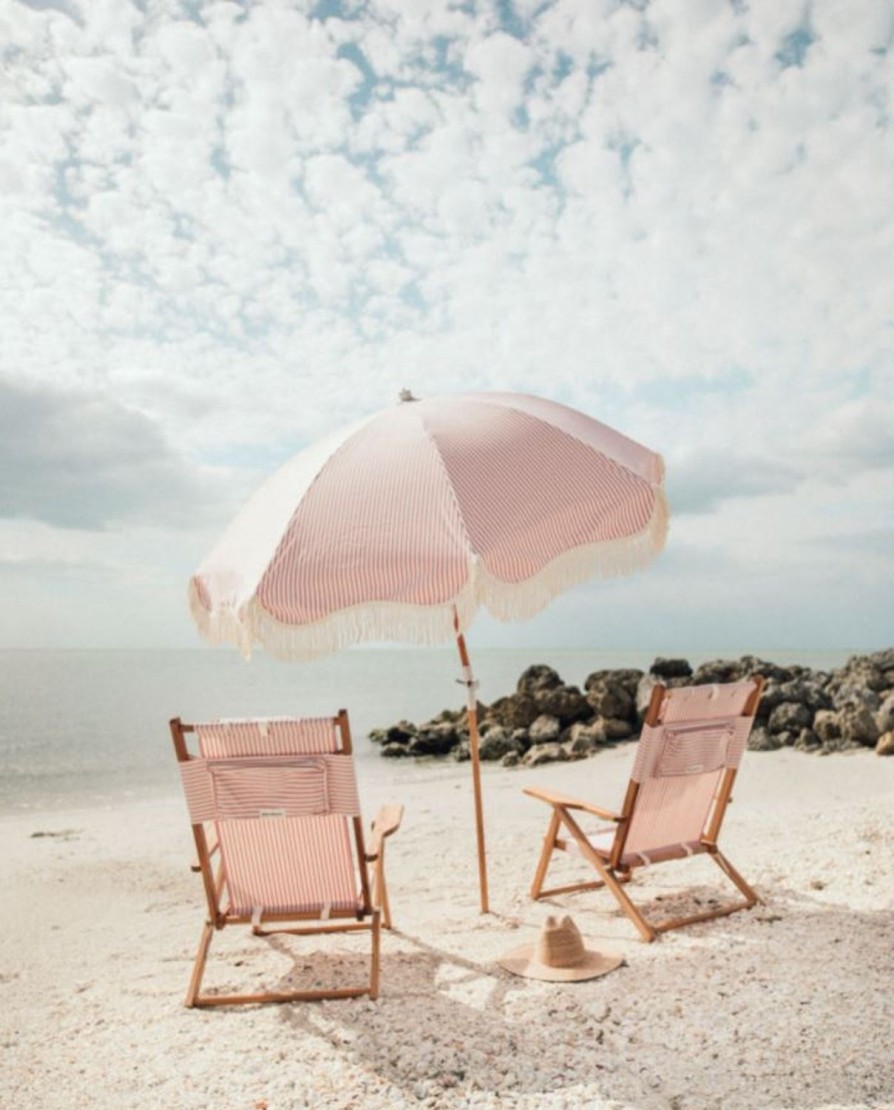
point(688, 753)
point(283, 796)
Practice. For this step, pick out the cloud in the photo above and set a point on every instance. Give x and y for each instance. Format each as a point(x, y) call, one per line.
point(698, 482)
point(83, 460)
point(230, 228)
point(855, 436)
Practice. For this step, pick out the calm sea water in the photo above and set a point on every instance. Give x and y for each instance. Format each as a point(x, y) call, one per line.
point(90, 727)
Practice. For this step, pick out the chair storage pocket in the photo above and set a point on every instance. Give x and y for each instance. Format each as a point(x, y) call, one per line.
point(693, 749)
point(258, 789)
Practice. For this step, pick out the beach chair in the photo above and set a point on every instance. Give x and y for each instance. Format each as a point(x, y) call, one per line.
point(276, 820)
point(686, 760)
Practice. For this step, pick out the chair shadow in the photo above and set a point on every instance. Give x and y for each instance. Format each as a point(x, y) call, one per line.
point(442, 1026)
point(449, 1027)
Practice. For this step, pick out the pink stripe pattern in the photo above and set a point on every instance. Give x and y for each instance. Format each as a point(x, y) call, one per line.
point(470, 478)
point(679, 765)
point(251, 787)
point(501, 500)
point(283, 796)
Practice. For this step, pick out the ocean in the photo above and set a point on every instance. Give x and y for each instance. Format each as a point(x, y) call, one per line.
point(86, 728)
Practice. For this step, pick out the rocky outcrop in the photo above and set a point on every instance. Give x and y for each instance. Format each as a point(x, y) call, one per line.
point(547, 720)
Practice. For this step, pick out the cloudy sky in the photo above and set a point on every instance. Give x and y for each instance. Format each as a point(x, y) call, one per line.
point(227, 228)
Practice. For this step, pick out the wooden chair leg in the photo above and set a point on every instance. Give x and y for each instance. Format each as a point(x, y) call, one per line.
point(375, 957)
point(380, 891)
point(198, 969)
point(609, 878)
point(549, 843)
point(727, 868)
point(646, 931)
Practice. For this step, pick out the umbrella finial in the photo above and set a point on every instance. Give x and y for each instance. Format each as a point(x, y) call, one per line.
point(407, 395)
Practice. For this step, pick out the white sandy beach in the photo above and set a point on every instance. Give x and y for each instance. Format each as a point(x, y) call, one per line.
point(788, 1005)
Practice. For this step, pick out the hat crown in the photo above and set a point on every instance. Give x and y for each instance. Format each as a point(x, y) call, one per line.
point(560, 943)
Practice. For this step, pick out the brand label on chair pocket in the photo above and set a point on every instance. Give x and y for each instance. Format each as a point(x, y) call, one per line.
point(271, 813)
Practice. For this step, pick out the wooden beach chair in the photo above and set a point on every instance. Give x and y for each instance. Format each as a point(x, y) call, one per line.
point(689, 751)
point(276, 820)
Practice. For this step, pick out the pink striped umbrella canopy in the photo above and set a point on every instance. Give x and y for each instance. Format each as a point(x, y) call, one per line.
point(402, 525)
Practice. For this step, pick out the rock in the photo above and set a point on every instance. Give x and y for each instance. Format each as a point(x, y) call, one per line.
point(858, 725)
point(772, 697)
point(671, 668)
point(644, 694)
point(827, 726)
point(807, 741)
point(522, 738)
point(401, 733)
point(718, 670)
point(611, 699)
point(434, 740)
point(544, 730)
point(586, 737)
point(882, 660)
point(515, 711)
point(395, 751)
point(865, 671)
point(761, 740)
point(616, 729)
point(537, 679)
point(626, 677)
point(544, 753)
point(848, 694)
point(884, 716)
point(788, 716)
point(511, 759)
point(809, 710)
point(566, 703)
point(496, 743)
point(885, 745)
point(751, 665)
point(807, 692)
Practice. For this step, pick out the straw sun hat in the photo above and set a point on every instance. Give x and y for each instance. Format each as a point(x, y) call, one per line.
point(559, 955)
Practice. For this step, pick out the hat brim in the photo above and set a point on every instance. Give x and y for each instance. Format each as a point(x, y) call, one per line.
point(522, 961)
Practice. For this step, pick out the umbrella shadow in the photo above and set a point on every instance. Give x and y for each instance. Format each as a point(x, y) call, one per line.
point(442, 1027)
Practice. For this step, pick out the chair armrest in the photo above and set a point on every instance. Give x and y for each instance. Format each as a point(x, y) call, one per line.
point(565, 802)
point(387, 821)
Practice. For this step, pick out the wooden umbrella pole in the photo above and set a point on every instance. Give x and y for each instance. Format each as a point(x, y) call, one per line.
point(471, 686)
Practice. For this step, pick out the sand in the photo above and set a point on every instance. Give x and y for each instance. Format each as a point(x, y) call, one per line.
point(787, 1005)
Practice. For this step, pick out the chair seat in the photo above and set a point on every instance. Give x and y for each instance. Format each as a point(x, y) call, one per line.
point(602, 843)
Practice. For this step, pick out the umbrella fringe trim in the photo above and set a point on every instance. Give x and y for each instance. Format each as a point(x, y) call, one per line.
point(251, 625)
point(521, 600)
point(254, 627)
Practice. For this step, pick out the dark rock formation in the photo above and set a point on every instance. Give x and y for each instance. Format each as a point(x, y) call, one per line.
point(546, 719)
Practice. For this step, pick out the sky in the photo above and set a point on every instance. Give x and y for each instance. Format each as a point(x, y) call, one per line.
point(229, 228)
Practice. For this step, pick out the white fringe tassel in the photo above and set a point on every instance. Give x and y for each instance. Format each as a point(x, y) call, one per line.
point(252, 626)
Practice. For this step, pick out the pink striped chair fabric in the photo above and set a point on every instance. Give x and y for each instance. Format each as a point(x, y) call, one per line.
point(281, 798)
point(686, 761)
point(282, 794)
point(678, 766)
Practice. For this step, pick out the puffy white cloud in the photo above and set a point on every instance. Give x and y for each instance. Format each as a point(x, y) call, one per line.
point(247, 225)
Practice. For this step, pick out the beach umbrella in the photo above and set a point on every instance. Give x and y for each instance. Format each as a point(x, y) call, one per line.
point(402, 525)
